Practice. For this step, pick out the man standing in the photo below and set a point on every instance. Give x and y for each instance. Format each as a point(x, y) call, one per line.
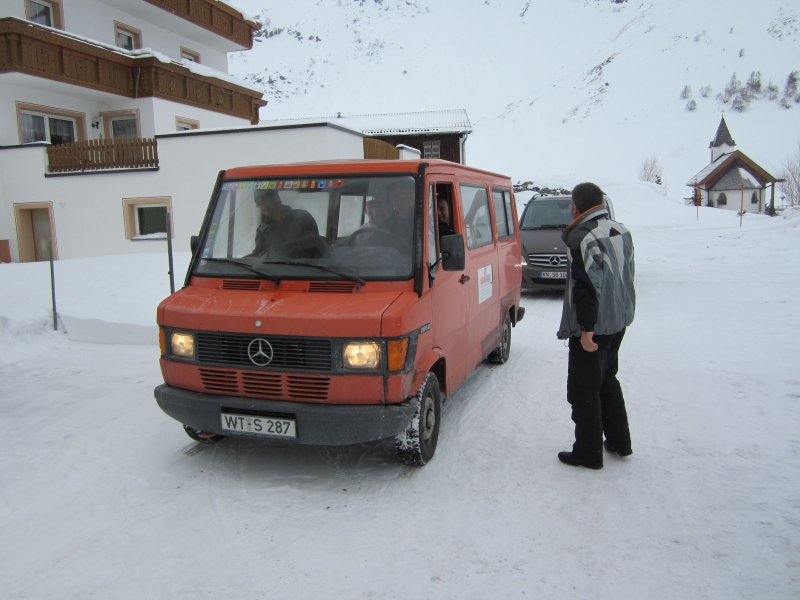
point(599, 303)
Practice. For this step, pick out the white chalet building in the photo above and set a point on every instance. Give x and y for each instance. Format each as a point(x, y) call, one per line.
point(85, 87)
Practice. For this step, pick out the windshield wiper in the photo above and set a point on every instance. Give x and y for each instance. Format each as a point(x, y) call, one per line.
point(246, 266)
point(291, 263)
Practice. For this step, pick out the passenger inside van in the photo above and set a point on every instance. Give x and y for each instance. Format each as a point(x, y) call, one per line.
point(378, 211)
point(445, 218)
point(401, 223)
point(283, 229)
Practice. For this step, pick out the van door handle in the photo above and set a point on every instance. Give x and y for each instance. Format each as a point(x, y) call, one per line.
point(464, 279)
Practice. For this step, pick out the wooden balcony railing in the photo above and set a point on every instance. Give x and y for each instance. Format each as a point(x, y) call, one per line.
point(41, 52)
point(96, 155)
point(215, 16)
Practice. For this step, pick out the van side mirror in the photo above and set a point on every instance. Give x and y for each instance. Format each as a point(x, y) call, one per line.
point(193, 244)
point(452, 247)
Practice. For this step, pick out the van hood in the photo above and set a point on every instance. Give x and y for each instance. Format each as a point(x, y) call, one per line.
point(306, 314)
point(543, 241)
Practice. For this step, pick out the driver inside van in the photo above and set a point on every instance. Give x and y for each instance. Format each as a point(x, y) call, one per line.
point(281, 227)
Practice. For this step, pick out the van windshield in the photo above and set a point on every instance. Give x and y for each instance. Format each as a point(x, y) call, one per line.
point(547, 214)
point(352, 228)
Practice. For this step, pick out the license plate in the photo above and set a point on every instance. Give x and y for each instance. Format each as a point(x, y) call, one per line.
point(553, 274)
point(271, 426)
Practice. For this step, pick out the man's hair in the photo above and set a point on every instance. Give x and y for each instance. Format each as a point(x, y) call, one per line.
point(586, 195)
point(265, 195)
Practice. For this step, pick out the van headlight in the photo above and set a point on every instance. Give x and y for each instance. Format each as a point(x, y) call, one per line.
point(362, 355)
point(182, 344)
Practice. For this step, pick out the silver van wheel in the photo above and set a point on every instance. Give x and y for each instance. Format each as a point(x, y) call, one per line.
point(501, 353)
point(416, 445)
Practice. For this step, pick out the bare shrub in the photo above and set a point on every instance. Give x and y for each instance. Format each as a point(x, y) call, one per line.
point(741, 102)
point(741, 52)
point(651, 170)
point(790, 91)
point(754, 82)
point(733, 87)
point(691, 105)
point(705, 91)
point(772, 91)
point(791, 173)
point(686, 93)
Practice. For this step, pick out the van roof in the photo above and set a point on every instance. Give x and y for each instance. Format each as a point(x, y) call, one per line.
point(340, 167)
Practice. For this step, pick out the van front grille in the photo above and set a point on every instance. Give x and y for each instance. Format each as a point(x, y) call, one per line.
point(262, 384)
point(314, 354)
point(308, 387)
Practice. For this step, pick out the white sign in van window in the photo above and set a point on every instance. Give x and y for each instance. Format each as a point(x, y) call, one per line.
point(484, 284)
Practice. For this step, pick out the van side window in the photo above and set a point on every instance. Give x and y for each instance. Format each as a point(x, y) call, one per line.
point(475, 203)
point(504, 218)
point(433, 251)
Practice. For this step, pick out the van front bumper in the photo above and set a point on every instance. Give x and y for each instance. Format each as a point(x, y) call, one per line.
point(317, 424)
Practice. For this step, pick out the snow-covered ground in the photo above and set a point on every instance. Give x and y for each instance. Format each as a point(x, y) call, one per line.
point(104, 496)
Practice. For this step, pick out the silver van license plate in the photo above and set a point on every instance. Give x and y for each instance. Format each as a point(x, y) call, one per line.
point(553, 274)
point(271, 426)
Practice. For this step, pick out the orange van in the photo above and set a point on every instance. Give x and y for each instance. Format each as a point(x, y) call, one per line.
point(335, 303)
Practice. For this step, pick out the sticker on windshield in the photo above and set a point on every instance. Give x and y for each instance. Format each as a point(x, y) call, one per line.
point(484, 284)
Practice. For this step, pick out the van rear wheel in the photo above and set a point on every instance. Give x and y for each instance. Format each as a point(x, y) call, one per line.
point(500, 354)
point(416, 445)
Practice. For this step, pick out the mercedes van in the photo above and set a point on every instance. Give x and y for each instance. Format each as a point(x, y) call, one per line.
point(337, 303)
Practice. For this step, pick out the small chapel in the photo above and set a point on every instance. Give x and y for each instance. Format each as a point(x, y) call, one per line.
point(732, 180)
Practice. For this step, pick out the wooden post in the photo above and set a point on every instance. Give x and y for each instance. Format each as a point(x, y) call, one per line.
point(169, 253)
point(741, 209)
point(53, 288)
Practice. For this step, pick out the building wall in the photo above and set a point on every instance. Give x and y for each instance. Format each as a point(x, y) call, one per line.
point(87, 208)
point(95, 20)
point(735, 200)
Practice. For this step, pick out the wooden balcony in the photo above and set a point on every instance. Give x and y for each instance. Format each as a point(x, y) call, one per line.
point(101, 155)
point(41, 52)
point(214, 16)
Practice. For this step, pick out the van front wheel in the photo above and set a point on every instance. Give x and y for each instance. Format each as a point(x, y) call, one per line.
point(500, 354)
point(416, 445)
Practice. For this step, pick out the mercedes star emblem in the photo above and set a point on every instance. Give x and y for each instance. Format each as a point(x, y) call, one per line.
point(260, 352)
point(555, 260)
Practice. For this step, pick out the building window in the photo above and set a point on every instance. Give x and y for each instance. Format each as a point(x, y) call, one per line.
point(127, 37)
point(430, 149)
point(146, 218)
point(191, 55)
point(45, 124)
point(722, 199)
point(184, 124)
point(754, 198)
point(121, 124)
point(42, 12)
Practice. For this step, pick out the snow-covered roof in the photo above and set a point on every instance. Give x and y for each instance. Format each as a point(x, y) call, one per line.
point(723, 136)
point(414, 123)
point(196, 68)
point(708, 170)
point(733, 180)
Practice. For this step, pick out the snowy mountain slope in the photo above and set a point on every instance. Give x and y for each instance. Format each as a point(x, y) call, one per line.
point(575, 88)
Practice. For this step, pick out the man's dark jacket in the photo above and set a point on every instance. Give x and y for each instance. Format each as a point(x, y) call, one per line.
point(599, 296)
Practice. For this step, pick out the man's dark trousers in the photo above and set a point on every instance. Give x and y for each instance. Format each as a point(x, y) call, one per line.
point(598, 406)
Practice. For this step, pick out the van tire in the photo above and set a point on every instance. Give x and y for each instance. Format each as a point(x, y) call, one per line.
point(416, 445)
point(195, 435)
point(499, 355)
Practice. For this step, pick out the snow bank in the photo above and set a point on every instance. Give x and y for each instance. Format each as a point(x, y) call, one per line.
point(105, 300)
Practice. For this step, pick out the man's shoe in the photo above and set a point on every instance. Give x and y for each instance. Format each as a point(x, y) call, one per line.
point(569, 458)
point(611, 448)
